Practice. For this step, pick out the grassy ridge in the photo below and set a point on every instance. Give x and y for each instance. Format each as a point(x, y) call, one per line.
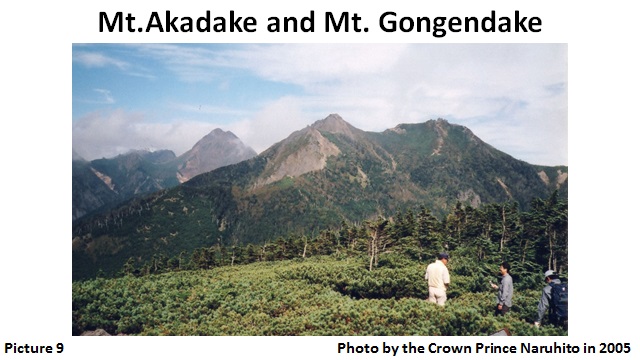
point(327, 295)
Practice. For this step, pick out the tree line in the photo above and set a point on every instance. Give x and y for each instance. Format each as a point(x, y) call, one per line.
point(531, 240)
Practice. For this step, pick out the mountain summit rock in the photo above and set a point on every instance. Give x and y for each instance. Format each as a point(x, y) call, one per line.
point(218, 148)
point(335, 124)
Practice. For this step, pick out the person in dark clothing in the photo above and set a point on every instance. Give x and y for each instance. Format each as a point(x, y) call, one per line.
point(551, 278)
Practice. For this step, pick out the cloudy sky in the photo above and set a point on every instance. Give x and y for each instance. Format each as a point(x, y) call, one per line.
point(168, 96)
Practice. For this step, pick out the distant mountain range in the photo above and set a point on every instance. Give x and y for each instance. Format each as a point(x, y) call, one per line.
point(104, 183)
point(316, 178)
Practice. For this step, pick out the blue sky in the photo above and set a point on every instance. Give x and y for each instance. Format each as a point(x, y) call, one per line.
point(168, 96)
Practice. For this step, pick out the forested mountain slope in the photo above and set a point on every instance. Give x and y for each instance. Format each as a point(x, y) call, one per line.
point(318, 178)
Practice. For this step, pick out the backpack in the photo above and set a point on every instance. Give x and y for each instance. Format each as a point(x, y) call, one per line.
point(559, 302)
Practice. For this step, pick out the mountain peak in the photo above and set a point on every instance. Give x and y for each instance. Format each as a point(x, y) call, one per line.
point(302, 152)
point(305, 150)
point(217, 138)
point(335, 124)
point(217, 132)
point(218, 148)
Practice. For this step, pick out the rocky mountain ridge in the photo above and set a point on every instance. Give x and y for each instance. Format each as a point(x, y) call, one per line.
point(101, 183)
point(318, 177)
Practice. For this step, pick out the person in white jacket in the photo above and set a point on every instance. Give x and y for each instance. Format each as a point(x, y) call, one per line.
point(437, 276)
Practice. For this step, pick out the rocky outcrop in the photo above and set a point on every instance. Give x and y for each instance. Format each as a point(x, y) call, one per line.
point(307, 151)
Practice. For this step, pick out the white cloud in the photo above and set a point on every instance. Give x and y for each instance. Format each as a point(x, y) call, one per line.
point(273, 123)
point(512, 96)
point(100, 135)
point(98, 60)
point(316, 66)
point(489, 88)
point(188, 63)
point(106, 97)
